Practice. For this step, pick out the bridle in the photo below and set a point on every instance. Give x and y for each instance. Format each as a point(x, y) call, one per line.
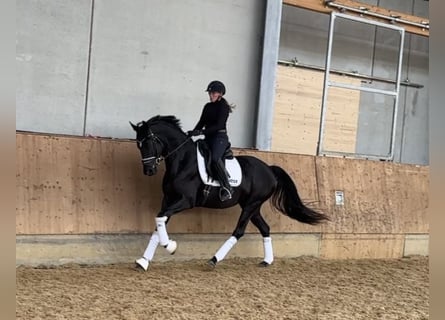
point(154, 161)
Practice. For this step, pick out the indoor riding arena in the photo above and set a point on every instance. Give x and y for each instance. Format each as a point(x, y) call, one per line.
point(333, 92)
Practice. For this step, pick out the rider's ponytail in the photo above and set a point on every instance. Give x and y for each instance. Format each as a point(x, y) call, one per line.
point(230, 105)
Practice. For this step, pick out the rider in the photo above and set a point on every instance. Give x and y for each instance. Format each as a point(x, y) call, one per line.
point(213, 120)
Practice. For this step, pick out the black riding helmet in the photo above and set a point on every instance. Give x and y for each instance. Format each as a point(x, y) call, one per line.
point(216, 86)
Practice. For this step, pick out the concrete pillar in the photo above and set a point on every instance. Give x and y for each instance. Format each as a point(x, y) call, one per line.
point(268, 73)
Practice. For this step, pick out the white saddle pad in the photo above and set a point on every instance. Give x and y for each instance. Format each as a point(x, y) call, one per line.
point(232, 166)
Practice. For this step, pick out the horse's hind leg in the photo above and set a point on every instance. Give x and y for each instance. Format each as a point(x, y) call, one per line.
point(264, 229)
point(149, 251)
point(236, 235)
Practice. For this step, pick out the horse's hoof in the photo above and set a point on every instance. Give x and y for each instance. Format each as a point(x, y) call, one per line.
point(264, 264)
point(211, 264)
point(142, 263)
point(171, 247)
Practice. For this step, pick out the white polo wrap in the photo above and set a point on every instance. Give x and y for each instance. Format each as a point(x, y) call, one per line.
point(162, 230)
point(268, 251)
point(225, 248)
point(151, 247)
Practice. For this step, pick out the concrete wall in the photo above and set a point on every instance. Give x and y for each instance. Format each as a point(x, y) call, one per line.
point(90, 66)
point(373, 51)
point(125, 248)
point(52, 44)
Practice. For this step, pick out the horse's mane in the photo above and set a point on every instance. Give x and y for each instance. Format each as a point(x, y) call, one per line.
point(171, 120)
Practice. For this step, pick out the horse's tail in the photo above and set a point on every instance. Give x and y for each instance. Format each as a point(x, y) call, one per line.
point(286, 199)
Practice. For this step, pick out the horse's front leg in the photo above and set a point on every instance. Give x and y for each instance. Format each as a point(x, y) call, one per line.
point(162, 219)
point(164, 240)
point(149, 251)
point(161, 232)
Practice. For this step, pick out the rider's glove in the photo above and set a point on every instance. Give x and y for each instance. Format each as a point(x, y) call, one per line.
point(192, 133)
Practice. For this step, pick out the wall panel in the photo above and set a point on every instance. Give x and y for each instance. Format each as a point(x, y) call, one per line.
point(296, 123)
point(91, 66)
point(52, 47)
point(69, 185)
point(369, 246)
point(379, 197)
point(157, 57)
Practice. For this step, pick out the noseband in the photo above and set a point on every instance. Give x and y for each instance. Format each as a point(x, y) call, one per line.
point(155, 160)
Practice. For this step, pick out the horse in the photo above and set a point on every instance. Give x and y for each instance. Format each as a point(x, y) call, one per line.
point(162, 139)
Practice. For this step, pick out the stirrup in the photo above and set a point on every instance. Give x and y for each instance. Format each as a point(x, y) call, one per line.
point(224, 194)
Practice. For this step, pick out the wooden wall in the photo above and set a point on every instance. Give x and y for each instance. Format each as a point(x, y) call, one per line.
point(296, 121)
point(71, 185)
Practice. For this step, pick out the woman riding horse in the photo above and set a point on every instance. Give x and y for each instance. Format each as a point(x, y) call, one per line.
point(214, 119)
point(161, 138)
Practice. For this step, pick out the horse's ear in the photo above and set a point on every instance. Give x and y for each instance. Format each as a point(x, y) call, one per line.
point(135, 128)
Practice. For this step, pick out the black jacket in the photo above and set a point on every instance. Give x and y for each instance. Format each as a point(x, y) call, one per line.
point(214, 117)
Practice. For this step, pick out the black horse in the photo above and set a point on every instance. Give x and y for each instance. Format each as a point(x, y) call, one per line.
point(162, 139)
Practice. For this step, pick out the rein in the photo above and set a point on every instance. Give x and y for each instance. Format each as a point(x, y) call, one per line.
point(161, 158)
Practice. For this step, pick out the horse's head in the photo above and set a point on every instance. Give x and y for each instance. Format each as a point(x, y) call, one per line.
point(149, 143)
point(150, 147)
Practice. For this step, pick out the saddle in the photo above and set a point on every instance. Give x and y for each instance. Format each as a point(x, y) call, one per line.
point(233, 168)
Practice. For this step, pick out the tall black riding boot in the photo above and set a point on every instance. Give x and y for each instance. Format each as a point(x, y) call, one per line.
point(225, 191)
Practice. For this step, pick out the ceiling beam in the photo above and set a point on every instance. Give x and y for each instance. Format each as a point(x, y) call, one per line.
point(400, 19)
